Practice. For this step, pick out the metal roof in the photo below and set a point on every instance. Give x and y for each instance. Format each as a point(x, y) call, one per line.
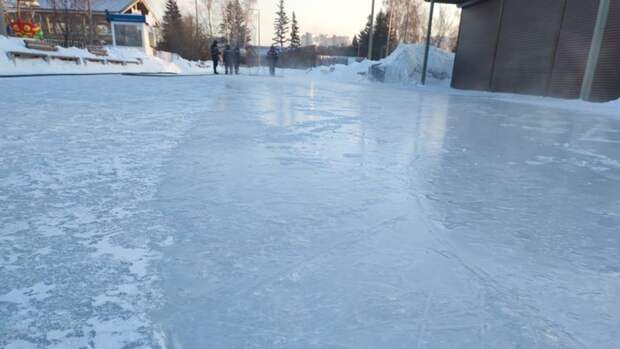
point(97, 5)
point(460, 3)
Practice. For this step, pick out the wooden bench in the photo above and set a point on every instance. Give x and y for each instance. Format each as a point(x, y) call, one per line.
point(40, 45)
point(137, 61)
point(94, 60)
point(12, 55)
point(75, 59)
point(116, 61)
point(99, 51)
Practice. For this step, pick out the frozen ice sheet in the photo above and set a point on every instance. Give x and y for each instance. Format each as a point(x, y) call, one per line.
point(248, 212)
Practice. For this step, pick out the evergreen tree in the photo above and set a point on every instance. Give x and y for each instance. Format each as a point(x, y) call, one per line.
point(295, 39)
point(363, 39)
point(380, 37)
point(172, 28)
point(281, 26)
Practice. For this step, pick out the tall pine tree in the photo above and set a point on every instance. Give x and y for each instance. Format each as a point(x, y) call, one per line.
point(172, 28)
point(295, 39)
point(380, 37)
point(363, 38)
point(280, 25)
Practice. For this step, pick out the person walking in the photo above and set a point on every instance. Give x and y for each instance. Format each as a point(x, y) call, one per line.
point(215, 56)
point(228, 60)
point(272, 58)
point(237, 59)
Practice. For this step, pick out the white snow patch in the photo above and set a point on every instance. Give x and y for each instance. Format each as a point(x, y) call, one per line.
point(406, 63)
point(24, 295)
point(150, 64)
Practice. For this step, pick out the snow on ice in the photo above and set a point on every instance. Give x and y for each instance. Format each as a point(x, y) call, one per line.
point(301, 212)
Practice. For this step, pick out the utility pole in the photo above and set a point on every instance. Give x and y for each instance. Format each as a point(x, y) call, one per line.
point(390, 22)
point(428, 42)
point(258, 37)
point(595, 49)
point(91, 29)
point(258, 33)
point(370, 33)
point(2, 24)
point(196, 20)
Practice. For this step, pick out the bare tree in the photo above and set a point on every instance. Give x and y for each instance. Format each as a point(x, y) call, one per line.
point(406, 19)
point(234, 26)
point(210, 4)
point(445, 27)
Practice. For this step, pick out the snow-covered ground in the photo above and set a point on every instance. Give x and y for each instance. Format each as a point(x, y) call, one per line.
point(256, 212)
point(33, 66)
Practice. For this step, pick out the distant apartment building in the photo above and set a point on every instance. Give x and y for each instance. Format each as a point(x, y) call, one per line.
point(325, 40)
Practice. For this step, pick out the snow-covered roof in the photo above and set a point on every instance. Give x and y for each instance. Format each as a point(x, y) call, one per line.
point(97, 5)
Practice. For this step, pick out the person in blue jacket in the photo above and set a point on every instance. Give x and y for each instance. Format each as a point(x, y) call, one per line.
point(215, 56)
point(228, 60)
point(237, 59)
point(272, 58)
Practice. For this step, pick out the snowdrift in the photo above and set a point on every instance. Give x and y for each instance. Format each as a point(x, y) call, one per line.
point(403, 65)
point(150, 64)
point(353, 72)
point(406, 62)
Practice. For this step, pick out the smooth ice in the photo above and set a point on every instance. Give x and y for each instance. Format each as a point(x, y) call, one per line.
point(249, 212)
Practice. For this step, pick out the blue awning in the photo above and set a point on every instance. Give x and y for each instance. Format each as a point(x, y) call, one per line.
point(125, 18)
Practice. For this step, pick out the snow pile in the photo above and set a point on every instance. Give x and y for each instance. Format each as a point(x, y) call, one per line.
point(150, 64)
point(354, 72)
point(403, 65)
point(406, 62)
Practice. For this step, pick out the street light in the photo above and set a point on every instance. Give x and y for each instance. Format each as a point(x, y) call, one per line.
point(258, 32)
point(370, 33)
point(428, 42)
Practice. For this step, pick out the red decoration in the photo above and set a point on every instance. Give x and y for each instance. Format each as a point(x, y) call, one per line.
point(25, 29)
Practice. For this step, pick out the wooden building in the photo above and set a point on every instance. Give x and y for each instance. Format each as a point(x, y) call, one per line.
point(68, 22)
point(558, 48)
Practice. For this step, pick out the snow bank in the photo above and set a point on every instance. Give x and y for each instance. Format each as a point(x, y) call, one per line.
point(406, 62)
point(150, 64)
point(354, 72)
point(403, 65)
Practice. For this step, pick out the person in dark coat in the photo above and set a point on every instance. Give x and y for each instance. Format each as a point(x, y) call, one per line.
point(228, 60)
point(215, 56)
point(272, 58)
point(237, 59)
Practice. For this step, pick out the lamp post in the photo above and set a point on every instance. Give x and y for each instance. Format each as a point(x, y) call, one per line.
point(428, 42)
point(2, 24)
point(258, 32)
point(196, 20)
point(370, 33)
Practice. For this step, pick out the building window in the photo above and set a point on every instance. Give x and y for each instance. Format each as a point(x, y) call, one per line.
point(128, 34)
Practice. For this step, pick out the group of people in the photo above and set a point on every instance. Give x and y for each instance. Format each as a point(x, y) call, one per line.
point(232, 58)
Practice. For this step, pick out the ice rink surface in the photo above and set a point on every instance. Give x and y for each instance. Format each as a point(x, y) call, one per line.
point(250, 212)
